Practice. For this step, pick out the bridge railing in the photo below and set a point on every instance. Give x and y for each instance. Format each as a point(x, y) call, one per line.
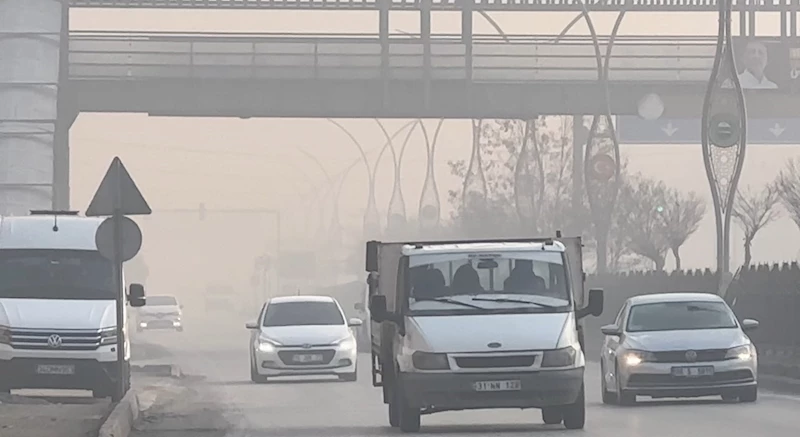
point(142, 56)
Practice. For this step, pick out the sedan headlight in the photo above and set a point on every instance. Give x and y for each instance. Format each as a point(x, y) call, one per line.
point(563, 357)
point(267, 345)
point(744, 352)
point(430, 361)
point(108, 336)
point(635, 357)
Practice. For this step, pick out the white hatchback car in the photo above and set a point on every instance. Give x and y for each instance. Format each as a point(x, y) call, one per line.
point(678, 345)
point(303, 335)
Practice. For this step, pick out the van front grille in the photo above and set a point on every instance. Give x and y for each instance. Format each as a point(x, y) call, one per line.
point(29, 339)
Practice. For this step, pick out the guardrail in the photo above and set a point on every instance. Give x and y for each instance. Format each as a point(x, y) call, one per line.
point(141, 56)
point(449, 5)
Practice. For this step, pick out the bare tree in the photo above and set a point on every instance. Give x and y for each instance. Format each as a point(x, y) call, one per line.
point(641, 200)
point(681, 215)
point(753, 211)
point(789, 187)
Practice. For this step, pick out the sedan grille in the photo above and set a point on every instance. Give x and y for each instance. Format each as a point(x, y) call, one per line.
point(705, 355)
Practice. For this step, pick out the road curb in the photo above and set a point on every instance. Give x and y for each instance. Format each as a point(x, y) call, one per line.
point(120, 422)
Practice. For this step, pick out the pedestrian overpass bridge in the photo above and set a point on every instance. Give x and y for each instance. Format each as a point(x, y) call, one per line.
point(301, 75)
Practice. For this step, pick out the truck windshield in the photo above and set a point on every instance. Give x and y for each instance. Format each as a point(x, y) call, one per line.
point(535, 281)
point(55, 274)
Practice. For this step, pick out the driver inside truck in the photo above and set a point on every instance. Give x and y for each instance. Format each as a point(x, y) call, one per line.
point(523, 279)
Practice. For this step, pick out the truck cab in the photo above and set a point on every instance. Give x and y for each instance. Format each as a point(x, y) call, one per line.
point(479, 325)
point(58, 327)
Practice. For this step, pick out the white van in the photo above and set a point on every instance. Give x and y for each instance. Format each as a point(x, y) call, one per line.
point(479, 325)
point(58, 306)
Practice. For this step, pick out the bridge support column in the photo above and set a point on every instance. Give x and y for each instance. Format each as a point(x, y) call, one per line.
point(30, 47)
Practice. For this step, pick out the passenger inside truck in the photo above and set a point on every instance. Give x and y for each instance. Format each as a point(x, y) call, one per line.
point(523, 279)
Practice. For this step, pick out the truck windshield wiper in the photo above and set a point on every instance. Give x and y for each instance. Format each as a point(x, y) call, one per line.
point(510, 300)
point(454, 302)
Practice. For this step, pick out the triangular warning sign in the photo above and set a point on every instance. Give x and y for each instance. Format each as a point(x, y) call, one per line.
point(117, 194)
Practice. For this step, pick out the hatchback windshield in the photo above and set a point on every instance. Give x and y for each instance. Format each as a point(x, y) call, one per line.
point(55, 274)
point(673, 316)
point(529, 280)
point(161, 301)
point(303, 313)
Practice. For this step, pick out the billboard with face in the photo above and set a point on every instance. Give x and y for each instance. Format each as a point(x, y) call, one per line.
point(762, 64)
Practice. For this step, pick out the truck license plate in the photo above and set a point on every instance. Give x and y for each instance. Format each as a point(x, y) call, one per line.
point(497, 385)
point(693, 372)
point(307, 358)
point(52, 369)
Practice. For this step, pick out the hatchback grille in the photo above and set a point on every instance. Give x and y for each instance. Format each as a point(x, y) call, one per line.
point(497, 361)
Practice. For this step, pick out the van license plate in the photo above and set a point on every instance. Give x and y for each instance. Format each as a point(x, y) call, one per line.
point(497, 386)
point(307, 358)
point(693, 372)
point(51, 369)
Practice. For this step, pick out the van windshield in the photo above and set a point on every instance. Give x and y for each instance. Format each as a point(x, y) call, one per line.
point(519, 281)
point(55, 274)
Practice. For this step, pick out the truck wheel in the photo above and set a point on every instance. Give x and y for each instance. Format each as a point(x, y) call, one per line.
point(407, 417)
point(394, 420)
point(575, 413)
point(552, 415)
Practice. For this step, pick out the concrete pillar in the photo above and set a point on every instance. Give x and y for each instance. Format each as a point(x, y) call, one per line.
point(30, 43)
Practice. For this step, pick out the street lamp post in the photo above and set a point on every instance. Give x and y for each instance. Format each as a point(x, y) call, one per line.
point(724, 134)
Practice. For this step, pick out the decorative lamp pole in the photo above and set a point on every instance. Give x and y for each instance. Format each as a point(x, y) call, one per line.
point(724, 134)
point(430, 206)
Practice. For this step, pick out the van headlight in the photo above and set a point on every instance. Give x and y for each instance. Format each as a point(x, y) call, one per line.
point(5, 335)
point(430, 361)
point(562, 357)
point(108, 336)
point(633, 358)
point(744, 353)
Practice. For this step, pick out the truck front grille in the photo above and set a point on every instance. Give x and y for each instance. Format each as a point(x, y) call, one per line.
point(56, 339)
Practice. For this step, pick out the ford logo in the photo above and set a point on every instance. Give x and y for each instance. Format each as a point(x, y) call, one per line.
point(494, 345)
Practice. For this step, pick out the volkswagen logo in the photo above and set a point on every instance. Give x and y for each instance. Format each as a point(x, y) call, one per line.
point(54, 341)
point(691, 356)
point(494, 345)
point(306, 346)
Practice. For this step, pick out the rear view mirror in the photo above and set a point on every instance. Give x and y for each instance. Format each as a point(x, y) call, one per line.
point(372, 256)
point(136, 295)
point(611, 330)
point(595, 305)
point(749, 324)
point(487, 264)
point(251, 325)
point(354, 323)
point(377, 307)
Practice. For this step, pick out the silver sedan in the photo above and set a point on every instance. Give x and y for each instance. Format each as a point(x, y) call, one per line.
point(678, 345)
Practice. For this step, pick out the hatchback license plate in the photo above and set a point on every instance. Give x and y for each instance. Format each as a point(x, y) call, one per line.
point(693, 372)
point(307, 358)
point(514, 385)
point(52, 369)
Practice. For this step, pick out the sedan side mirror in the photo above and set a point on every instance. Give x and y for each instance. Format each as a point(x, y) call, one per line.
point(749, 324)
point(611, 330)
point(251, 325)
point(136, 295)
point(354, 322)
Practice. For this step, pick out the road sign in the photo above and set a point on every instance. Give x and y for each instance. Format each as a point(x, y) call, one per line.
point(635, 130)
point(117, 194)
point(131, 238)
point(603, 168)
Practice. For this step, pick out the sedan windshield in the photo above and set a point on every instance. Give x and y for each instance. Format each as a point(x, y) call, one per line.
point(303, 313)
point(674, 316)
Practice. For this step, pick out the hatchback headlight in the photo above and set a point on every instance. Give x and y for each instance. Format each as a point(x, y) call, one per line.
point(430, 361)
point(744, 352)
point(563, 357)
point(108, 336)
point(347, 343)
point(635, 357)
point(267, 345)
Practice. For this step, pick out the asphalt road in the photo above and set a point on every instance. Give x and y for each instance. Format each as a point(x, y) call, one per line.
point(225, 403)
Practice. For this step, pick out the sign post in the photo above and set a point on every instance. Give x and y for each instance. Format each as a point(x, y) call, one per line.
point(118, 238)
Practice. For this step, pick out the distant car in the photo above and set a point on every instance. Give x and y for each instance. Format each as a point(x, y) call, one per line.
point(678, 345)
point(160, 312)
point(303, 335)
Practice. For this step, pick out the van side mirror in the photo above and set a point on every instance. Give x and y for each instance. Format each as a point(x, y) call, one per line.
point(377, 308)
point(594, 306)
point(749, 324)
point(136, 295)
point(611, 330)
point(372, 256)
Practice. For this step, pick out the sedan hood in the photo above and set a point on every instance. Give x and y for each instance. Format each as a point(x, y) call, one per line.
point(160, 309)
point(682, 340)
point(57, 313)
point(300, 335)
point(473, 333)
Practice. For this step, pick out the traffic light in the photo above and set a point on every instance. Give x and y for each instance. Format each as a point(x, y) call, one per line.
point(202, 211)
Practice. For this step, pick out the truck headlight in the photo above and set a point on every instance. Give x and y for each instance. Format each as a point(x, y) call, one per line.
point(108, 336)
point(559, 357)
point(744, 352)
point(634, 357)
point(430, 361)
